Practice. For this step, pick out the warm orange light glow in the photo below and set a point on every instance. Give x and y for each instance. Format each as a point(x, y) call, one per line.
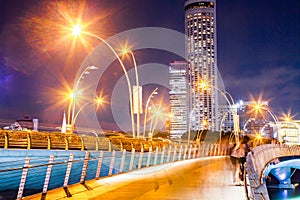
point(204, 85)
point(258, 107)
point(158, 112)
point(170, 115)
point(287, 116)
point(258, 139)
point(99, 100)
point(72, 95)
point(76, 31)
point(125, 51)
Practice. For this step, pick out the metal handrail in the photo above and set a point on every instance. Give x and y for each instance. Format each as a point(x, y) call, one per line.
point(116, 160)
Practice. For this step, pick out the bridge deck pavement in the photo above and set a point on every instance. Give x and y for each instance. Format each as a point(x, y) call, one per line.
point(205, 178)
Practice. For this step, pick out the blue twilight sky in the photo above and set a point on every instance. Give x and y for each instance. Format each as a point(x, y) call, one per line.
point(258, 49)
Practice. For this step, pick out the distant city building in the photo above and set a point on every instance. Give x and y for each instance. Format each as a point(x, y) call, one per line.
point(201, 54)
point(178, 99)
point(289, 132)
point(226, 117)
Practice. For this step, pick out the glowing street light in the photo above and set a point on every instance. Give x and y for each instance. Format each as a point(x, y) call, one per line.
point(157, 115)
point(74, 95)
point(146, 109)
point(77, 31)
point(258, 139)
point(258, 107)
point(204, 85)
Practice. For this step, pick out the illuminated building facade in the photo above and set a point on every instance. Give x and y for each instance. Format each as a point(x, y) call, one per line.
point(178, 98)
point(289, 132)
point(201, 54)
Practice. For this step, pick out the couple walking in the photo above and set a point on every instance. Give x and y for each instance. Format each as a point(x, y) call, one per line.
point(238, 158)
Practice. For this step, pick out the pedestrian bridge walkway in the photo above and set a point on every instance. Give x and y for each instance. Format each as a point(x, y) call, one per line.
point(207, 178)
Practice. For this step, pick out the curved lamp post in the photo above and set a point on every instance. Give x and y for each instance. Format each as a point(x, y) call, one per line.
point(76, 31)
point(276, 121)
point(125, 51)
point(146, 109)
point(225, 94)
point(74, 95)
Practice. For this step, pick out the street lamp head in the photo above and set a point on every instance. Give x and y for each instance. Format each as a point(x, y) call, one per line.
point(258, 137)
point(76, 30)
point(287, 117)
point(204, 85)
point(72, 95)
point(258, 107)
point(99, 100)
point(125, 51)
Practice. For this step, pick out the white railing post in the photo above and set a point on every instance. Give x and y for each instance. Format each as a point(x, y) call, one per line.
point(211, 146)
point(23, 178)
point(169, 153)
point(149, 157)
point(204, 147)
point(112, 162)
point(123, 160)
point(174, 154)
point(162, 155)
point(184, 152)
point(67, 176)
point(190, 152)
point(155, 157)
point(141, 159)
point(180, 152)
point(84, 167)
point(99, 164)
point(215, 149)
point(132, 159)
point(48, 174)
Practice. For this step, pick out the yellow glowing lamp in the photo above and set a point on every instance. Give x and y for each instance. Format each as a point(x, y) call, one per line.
point(76, 31)
point(72, 95)
point(99, 100)
point(125, 51)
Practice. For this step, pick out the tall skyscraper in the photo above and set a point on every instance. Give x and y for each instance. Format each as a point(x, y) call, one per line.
point(201, 54)
point(178, 98)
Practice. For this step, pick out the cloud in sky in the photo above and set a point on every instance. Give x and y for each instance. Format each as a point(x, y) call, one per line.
point(278, 84)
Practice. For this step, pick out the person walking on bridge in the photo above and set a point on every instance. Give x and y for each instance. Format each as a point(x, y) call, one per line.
point(238, 156)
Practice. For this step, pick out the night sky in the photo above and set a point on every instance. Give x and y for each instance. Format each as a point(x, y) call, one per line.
point(258, 49)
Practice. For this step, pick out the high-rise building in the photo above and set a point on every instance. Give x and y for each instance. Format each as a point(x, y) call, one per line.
point(178, 98)
point(226, 117)
point(201, 54)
